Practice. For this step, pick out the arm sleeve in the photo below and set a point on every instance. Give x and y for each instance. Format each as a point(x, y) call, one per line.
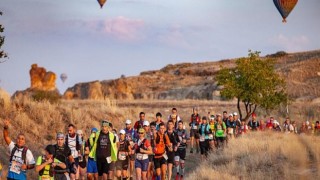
point(39, 159)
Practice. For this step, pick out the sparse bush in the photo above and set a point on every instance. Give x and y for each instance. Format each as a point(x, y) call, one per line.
point(51, 96)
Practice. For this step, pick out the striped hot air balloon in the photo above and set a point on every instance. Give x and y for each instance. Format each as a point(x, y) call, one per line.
point(285, 7)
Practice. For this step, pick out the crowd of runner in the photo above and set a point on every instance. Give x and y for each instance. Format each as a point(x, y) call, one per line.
point(140, 150)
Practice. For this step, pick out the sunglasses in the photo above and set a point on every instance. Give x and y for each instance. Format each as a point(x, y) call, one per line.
point(141, 133)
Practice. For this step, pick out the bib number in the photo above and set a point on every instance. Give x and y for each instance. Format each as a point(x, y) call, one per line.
point(195, 127)
point(202, 138)
point(15, 167)
point(165, 156)
point(122, 156)
point(139, 156)
point(109, 159)
point(210, 136)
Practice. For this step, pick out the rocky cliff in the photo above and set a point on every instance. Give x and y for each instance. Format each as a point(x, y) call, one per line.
point(197, 80)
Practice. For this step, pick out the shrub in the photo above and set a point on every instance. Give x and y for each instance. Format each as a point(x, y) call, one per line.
point(51, 96)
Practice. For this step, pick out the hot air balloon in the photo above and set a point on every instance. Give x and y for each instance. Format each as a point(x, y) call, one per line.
point(101, 2)
point(285, 7)
point(63, 77)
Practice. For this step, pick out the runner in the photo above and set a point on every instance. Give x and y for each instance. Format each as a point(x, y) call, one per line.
point(174, 117)
point(131, 136)
point(63, 154)
point(243, 129)
point(237, 120)
point(82, 159)
point(231, 127)
point(139, 123)
point(46, 163)
point(220, 132)
point(212, 130)
point(104, 149)
point(269, 124)
point(143, 149)
point(73, 142)
point(21, 158)
point(253, 124)
point(151, 171)
point(158, 120)
point(194, 134)
point(287, 125)
point(149, 136)
point(112, 167)
point(180, 155)
point(225, 117)
point(174, 139)
point(204, 131)
point(123, 156)
point(160, 159)
point(92, 170)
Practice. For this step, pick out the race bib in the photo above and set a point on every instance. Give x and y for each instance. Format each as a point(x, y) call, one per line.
point(230, 131)
point(195, 127)
point(165, 156)
point(210, 136)
point(109, 159)
point(15, 167)
point(139, 156)
point(202, 138)
point(122, 156)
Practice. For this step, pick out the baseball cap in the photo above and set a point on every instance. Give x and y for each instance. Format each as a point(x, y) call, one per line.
point(141, 130)
point(122, 131)
point(128, 121)
point(146, 123)
point(235, 114)
point(94, 130)
point(230, 115)
point(212, 117)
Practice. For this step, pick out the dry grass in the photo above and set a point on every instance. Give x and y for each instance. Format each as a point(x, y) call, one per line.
point(263, 156)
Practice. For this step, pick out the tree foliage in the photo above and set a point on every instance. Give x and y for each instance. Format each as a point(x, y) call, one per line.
point(253, 82)
point(2, 53)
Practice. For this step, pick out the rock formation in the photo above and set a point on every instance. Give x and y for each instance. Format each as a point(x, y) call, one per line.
point(41, 79)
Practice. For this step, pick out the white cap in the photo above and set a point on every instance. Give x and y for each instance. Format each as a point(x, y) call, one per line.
point(235, 114)
point(128, 121)
point(275, 122)
point(146, 123)
point(122, 131)
point(307, 122)
point(230, 115)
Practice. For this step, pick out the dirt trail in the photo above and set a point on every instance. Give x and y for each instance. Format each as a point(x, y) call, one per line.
point(312, 169)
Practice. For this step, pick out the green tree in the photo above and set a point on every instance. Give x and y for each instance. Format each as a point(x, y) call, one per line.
point(254, 82)
point(2, 53)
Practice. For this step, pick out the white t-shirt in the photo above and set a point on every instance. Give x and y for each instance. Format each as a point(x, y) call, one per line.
point(17, 158)
point(72, 143)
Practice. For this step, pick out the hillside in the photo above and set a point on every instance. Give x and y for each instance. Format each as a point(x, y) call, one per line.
point(197, 80)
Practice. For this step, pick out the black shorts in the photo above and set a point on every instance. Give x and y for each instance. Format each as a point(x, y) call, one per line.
point(181, 153)
point(170, 157)
point(204, 147)
point(83, 163)
point(122, 164)
point(112, 166)
point(132, 157)
point(151, 158)
point(194, 133)
point(103, 166)
point(70, 166)
point(158, 162)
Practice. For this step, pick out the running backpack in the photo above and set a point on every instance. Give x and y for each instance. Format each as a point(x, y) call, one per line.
point(160, 148)
point(205, 129)
point(24, 153)
point(78, 146)
point(141, 146)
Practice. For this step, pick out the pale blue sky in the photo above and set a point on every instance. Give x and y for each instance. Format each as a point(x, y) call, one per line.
point(129, 36)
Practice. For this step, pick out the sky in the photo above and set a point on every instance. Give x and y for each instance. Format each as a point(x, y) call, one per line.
point(127, 37)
